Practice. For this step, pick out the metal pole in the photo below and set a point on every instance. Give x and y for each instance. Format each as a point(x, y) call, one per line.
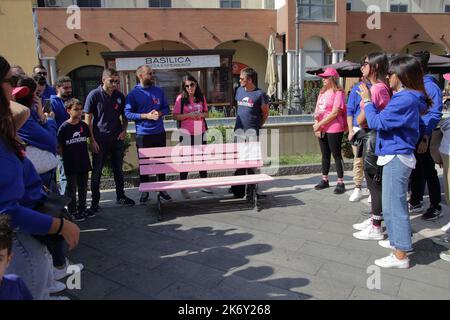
point(297, 101)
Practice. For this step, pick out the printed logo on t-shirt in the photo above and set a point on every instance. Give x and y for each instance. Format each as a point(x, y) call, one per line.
point(77, 138)
point(155, 100)
point(116, 107)
point(321, 104)
point(246, 102)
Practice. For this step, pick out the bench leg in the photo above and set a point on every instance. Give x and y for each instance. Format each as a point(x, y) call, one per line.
point(159, 207)
point(252, 196)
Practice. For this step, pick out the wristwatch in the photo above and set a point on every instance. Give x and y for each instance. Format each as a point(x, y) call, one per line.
point(366, 101)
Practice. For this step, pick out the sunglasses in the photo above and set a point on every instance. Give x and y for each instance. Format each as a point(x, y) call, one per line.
point(42, 74)
point(242, 79)
point(191, 85)
point(8, 80)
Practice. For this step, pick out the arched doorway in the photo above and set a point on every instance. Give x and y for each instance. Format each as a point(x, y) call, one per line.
point(433, 48)
point(162, 45)
point(85, 79)
point(251, 54)
point(358, 49)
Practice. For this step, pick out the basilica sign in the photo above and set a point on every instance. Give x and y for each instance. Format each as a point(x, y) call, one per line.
point(169, 62)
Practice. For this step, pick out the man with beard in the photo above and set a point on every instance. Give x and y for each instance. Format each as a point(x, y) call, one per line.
point(40, 76)
point(105, 116)
point(146, 105)
point(64, 93)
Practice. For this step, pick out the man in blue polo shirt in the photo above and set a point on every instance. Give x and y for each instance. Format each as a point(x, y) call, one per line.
point(146, 105)
point(105, 115)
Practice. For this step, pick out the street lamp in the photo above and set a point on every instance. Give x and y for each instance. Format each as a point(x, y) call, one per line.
point(298, 100)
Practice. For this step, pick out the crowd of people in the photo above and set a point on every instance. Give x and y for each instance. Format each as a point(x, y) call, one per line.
point(47, 136)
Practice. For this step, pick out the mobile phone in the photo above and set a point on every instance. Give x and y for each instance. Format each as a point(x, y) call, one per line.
point(47, 106)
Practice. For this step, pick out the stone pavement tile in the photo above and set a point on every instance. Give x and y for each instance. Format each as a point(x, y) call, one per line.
point(140, 278)
point(366, 294)
point(93, 259)
point(293, 260)
point(289, 217)
point(186, 291)
point(255, 223)
point(421, 273)
point(181, 269)
point(93, 287)
point(319, 236)
point(371, 247)
point(237, 288)
point(414, 290)
point(337, 254)
point(104, 240)
point(140, 254)
point(431, 259)
point(276, 241)
point(124, 293)
point(305, 284)
point(337, 227)
point(358, 277)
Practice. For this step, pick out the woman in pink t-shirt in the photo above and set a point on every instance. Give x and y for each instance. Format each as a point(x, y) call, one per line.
point(375, 69)
point(329, 127)
point(190, 110)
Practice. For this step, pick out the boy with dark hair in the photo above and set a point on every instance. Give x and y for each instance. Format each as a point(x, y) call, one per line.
point(11, 286)
point(72, 144)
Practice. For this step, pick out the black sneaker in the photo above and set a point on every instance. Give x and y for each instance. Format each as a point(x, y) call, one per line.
point(144, 197)
point(165, 196)
point(340, 188)
point(432, 214)
point(78, 216)
point(94, 208)
point(322, 185)
point(125, 201)
point(89, 213)
point(418, 208)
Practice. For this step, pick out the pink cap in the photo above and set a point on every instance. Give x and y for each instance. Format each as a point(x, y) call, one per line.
point(20, 92)
point(447, 76)
point(329, 72)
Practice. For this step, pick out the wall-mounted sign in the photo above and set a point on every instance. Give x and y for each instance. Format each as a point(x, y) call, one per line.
point(169, 62)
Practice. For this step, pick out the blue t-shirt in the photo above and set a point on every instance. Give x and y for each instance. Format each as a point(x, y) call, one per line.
point(106, 110)
point(59, 109)
point(73, 139)
point(48, 92)
point(249, 108)
point(13, 288)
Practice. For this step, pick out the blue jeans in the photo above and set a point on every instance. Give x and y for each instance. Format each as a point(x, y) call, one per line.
point(31, 264)
point(62, 176)
point(395, 206)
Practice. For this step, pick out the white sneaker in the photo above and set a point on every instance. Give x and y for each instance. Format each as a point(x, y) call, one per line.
point(356, 195)
point(62, 273)
point(386, 244)
point(363, 225)
point(369, 199)
point(391, 261)
point(370, 233)
point(446, 228)
point(57, 287)
point(445, 255)
point(206, 190)
point(185, 194)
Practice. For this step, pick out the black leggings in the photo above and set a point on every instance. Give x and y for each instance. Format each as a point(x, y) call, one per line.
point(376, 194)
point(194, 139)
point(331, 144)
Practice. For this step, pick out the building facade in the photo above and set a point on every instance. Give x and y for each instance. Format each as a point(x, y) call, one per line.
point(329, 31)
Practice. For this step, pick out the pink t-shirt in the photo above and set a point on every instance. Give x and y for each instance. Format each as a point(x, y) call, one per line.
point(326, 102)
point(380, 94)
point(194, 127)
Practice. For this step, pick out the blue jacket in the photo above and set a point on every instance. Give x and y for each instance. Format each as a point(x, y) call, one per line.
point(354, 104)
point(42, 136)
point(48, 92)
point(432, 118)
point(18, 185)
point(59, 109)
point(143, 100)
point(398, 123)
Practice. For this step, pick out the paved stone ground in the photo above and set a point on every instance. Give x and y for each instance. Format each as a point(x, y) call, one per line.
point(299, 246)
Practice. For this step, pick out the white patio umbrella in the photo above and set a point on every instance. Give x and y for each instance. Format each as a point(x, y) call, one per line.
point(271, 72)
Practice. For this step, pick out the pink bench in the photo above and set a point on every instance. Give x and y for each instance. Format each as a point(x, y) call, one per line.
point(153, 161)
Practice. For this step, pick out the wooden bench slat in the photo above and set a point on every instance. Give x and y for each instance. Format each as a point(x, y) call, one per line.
point(204, 183)
point(189, 150)
point(189, 158)
point(203, 166)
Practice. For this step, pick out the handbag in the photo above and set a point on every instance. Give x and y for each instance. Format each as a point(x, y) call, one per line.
point(54, 206)
point(42, 160)
point(435, 143)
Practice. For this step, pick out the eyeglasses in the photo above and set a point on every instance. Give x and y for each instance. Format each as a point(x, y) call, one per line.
point(191, 85)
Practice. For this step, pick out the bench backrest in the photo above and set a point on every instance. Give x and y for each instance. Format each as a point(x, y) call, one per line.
point(199, 158)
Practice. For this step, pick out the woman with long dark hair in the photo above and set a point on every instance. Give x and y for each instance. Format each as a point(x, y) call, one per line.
point(191, 110)
point(329, 127)
point(398, 132)
point(20, 182)
point(375, 69)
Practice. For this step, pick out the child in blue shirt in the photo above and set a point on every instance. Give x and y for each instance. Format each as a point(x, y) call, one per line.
point(11, 286)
